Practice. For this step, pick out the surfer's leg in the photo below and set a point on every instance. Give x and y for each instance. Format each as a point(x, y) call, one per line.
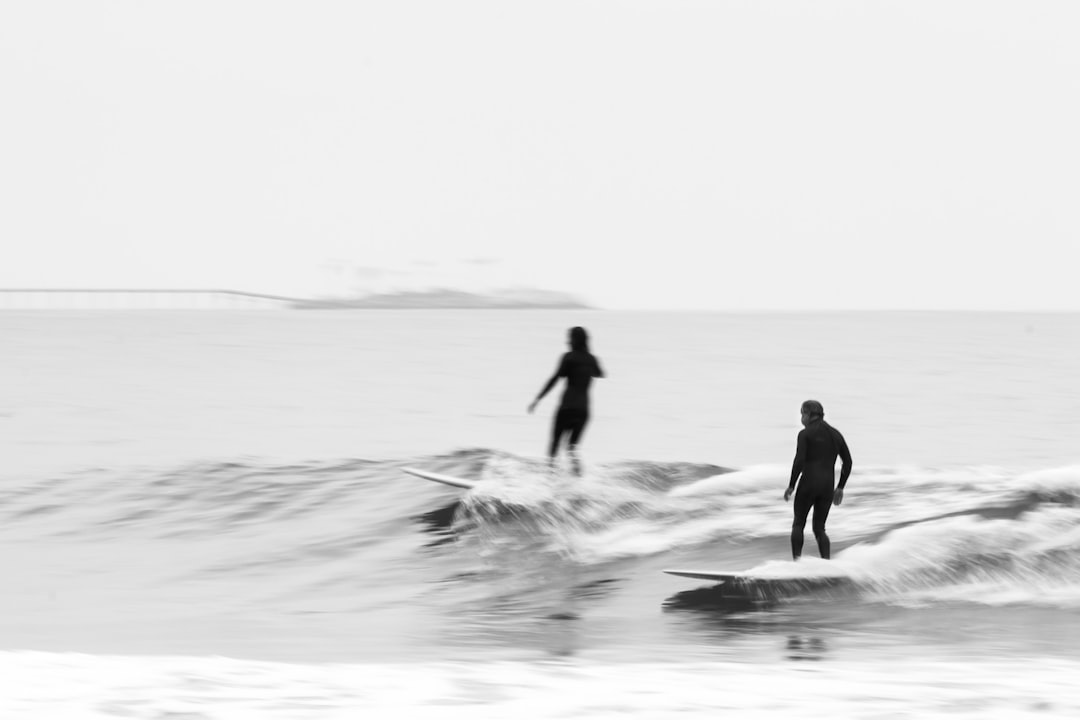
point(558, 428)
point(577, 428)
point(822, 503)
point(803, 503)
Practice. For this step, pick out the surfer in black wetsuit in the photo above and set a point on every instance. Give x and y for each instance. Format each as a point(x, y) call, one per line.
point(579, 367)
point(818, 446)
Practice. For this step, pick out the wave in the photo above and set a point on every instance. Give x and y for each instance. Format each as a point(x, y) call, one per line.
point(906, 534)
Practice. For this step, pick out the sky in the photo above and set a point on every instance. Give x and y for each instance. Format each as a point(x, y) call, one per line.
point(640, 155)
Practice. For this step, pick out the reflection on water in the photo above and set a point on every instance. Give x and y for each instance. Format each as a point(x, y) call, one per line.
point(803, 647)
point(561, 636)
point(713, 599)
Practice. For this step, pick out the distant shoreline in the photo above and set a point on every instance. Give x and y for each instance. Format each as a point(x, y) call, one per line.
point(450, 299)
point(209, 298)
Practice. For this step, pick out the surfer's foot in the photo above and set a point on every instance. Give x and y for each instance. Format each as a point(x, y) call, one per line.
point(575, 462)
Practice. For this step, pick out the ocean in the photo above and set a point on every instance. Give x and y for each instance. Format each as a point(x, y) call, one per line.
point(203, 515)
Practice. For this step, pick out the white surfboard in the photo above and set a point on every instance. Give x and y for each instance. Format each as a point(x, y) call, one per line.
point(750, 575)
point(806, 569)
point(440, 478)
point(815, 574)
point(704, 574)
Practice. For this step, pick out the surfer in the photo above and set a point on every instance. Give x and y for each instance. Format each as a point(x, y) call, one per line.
point(579, 367)
point(818, 446)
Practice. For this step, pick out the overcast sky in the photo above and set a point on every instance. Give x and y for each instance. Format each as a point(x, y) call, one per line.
point(712, 155)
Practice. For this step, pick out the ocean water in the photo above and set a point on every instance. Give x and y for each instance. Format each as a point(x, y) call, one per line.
point(203, 515)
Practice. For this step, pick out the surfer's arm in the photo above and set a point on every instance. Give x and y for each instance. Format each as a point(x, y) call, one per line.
point(547, 388)
point(845, 457)
point(559, 372)
point(597, 370)
point(797, 464)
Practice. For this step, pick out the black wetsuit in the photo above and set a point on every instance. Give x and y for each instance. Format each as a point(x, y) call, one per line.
point(819, 445)
point(579, 368)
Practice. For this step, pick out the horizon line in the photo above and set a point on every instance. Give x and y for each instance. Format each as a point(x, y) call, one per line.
point(589, 306)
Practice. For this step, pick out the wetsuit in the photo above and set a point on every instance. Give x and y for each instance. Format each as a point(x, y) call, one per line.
point(579, 368)
point(819, 445)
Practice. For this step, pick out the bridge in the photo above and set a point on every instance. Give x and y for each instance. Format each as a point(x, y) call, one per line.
point(139, 299)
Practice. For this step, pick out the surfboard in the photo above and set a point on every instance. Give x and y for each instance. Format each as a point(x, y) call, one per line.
point(807, 568)
point(704, 574)
point(440, 478)
point(749, 575)
point(770, 583)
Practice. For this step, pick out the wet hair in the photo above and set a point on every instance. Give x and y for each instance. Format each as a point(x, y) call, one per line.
point(579, 339)
point(813, 408)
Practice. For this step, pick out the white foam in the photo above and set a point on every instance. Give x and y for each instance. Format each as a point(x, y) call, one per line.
point(88, 687)
point(1031, 559)
point(739, 481)
point(806, 567)
point(749, 504)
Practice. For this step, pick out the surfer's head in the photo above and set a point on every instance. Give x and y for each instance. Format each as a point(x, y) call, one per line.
point(812, 410)
point(579, 339)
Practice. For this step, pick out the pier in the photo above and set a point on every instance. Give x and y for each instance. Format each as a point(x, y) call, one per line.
point(139, 299)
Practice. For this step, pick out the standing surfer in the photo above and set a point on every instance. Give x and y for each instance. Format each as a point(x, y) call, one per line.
point(579, 367)
point(818, 446)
